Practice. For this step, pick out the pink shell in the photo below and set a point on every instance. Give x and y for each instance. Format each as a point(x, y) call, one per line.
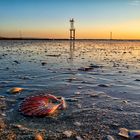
point(41, 105)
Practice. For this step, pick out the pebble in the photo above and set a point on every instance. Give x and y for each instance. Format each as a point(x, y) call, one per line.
point(71, 100)
point(43, 63)
point(79, 87)
point(115, 125)
point(119, 71)
point(85, 68)
point(77, 93)
point(108, 138)
point(95, 66)
point(3, 114)
point(79, 138)
point(137, 80)
point(17, 62)
point(24, 78)
point(103, 85)
point(71, 79)
point(99, 94)
point(20, 127)
point(1, 96)
point(2, 124)
point(79, 105)
point(38, 137)
point(84, 81)
point(54, 55)
point(125, 101)
point(94, 95)
point(77, 124)
point(15, 90)
point(119, 109)
point(68, 133)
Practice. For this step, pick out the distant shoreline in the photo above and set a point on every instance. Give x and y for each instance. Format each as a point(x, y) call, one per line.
point(3, 38)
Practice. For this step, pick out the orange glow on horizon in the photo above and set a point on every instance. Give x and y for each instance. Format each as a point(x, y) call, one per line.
point(123, 30)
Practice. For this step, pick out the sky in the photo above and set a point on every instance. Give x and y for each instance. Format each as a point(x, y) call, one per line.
point(50, 18)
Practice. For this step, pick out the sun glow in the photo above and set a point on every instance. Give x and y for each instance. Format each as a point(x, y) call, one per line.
point(93, 19)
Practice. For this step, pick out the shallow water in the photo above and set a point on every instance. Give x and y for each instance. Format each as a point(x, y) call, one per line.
point(54, 66)
point(21, 65)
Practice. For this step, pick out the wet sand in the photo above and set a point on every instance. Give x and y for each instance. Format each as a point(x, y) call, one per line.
point(100, 100)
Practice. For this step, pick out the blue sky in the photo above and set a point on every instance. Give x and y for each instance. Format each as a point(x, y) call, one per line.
point(50, 18)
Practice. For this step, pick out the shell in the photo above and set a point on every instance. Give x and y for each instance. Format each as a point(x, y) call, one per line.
point(41, 105)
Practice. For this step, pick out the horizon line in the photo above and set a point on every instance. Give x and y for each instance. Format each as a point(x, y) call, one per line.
point(36, 38)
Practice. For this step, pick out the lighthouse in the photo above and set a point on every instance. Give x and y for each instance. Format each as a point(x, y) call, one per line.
point(72, 29)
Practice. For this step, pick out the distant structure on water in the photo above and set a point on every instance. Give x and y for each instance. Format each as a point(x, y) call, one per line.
point(72, 29)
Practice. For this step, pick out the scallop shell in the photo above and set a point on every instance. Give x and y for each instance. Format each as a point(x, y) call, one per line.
point(41, 105)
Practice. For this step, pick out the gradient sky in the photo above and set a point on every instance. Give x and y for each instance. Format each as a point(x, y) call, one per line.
point(50, 18)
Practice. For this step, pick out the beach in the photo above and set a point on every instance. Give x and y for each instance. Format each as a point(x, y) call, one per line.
point(99, 79)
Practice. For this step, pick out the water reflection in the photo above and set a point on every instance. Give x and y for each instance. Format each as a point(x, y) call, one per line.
point(71, 53)
point(72, 48)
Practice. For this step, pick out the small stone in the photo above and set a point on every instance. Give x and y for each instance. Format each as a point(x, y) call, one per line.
point(71, 79)
point(94, 95)
point(43, 63)
point(119, 109)
point(79, 87)
point(79, 138)
point(20, 127)
point(77, 93)
point(24, 78)
point(3, 114)
point(108, 138)
point(114, 125)
point(137, 80)
point(1, 97)
point(103, 85)
point(72, 100)
point(84, 82)
point(17, 62)
point(68, 133)
point(77, 124)
point(15, 90)
point(2, 124)
point(124, 101)
point(95, 66)
point(38, 137)
point(85, 68)
point(79, 105)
